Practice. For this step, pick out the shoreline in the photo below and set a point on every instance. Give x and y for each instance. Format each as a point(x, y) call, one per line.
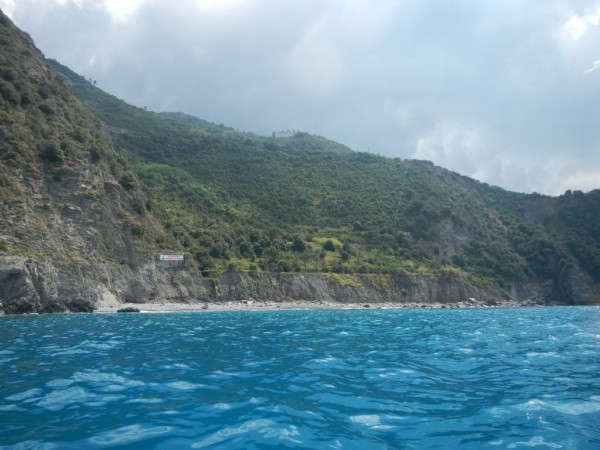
point(254, 305)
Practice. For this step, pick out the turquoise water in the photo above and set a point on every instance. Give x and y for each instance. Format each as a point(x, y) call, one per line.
point(376, 379)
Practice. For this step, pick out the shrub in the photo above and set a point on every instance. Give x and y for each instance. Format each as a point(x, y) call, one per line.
point(137, 229)
point(52, 153)
point(46, 108)
point(9, 93)
point(95, 155)
point(329, 246)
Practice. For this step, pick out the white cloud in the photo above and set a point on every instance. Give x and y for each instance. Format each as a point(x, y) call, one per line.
point(579, 35)
point(8, 6)
point(221, 5)
point(121, 10)
point(594, 67)
point(452, 143)
point(577, 25)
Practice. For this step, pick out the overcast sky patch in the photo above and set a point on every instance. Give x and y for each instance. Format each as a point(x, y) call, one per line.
point(503, 91)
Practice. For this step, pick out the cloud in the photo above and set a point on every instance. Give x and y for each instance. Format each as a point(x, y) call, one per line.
point(577, 25)
point(119, 10)
point(493, 90)
point(594, 67)
point(315, 70)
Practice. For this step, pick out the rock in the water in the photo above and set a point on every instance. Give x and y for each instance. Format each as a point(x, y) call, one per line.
point(129, 309)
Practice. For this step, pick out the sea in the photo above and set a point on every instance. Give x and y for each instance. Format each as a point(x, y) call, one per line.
point(502, 378)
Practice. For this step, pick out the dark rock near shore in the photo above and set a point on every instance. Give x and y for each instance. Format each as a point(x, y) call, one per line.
point(79, 305)
point(129, 309)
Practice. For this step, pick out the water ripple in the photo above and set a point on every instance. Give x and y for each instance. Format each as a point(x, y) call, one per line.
point(513, 378)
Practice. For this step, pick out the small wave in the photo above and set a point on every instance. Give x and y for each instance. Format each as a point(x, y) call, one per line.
point(371, 421)
point(31, 445)
point(222, 406)
point(148, 401)
point(97, 377)
point(532, 355)
point(25, 395)
point(59, 383)
point(576, 408)
point(129, 434)
point(221, 374)
point(535, 441)
point(58, 400)
point(266, 427)
point(82, 348)
point(569, 408)
point(368, 420)
point(184, 385)
point(11, 408)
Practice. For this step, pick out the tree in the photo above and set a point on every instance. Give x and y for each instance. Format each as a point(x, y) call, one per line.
point(329, 246)
point(298, 245)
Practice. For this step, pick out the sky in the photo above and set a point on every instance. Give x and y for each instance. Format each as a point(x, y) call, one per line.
point(504, 91)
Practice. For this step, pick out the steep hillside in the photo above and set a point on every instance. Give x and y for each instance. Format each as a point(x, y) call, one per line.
point(298, 203)
point(92, 187)
point(71, 211)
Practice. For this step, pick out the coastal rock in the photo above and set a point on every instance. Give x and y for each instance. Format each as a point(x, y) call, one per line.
point(79, 305)
point(28, 286)
point(128, 309)
point(24, 288)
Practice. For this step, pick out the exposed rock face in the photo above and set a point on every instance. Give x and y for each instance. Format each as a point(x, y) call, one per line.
point(71, 212)
point(350, 288)
point(29, 286)
point(19, 294)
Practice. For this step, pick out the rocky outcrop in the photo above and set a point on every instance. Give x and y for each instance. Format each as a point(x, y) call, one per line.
point(28, 286)
point(128, 309)
point(19, 294)
point(570, 287)
point(355, 288)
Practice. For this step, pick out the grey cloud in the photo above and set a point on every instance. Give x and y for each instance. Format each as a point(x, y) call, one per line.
point(503, 91)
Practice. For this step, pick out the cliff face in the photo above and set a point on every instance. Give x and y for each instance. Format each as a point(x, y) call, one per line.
point(33, 286)
point(71, 213)
point(152, 284)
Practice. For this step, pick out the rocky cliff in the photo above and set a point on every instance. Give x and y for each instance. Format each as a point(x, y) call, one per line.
point(30, 285)
point(71, 213)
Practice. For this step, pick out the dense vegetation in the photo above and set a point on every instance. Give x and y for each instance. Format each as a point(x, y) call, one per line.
point(48, 136)
point(291, 201)
point(238, 201)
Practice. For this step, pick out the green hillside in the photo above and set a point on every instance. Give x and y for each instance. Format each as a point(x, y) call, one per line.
point(56, 162)
point(238, 201)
